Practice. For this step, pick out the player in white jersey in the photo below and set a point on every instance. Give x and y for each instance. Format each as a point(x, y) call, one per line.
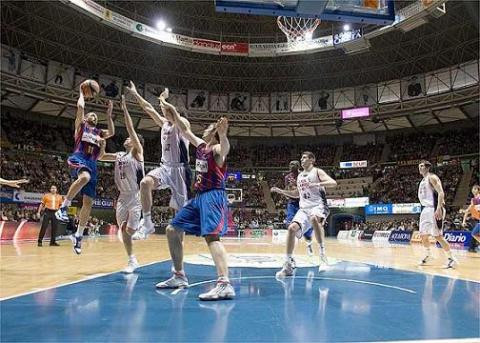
point(129, 171)
point(432, 199)
point(173, 172)
point(311, 184)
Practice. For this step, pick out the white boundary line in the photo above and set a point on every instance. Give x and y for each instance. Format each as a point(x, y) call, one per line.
point(87, 278)
point(305, 277)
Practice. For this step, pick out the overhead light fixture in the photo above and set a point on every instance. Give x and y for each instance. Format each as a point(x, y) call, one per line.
point(346, 27)
point(169, 29)
point(161, 25)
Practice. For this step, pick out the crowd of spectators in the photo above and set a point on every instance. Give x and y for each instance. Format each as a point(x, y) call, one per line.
point(31, 143)
point(399, 184)
point(387, 225)
point(457, 142)
point(370, 152)
point(12, 212)
point(413, 146)
point(277, 156)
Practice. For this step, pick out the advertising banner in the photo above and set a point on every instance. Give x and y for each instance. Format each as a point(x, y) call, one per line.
point(356, 202)
point(381, 236)
point(348, 202)
point(366, 236)
point(458, 239)
point(206, 44)
point(342, 234)
point(376, 209)
point(398, 236)
point(355, 235)
point(345, 36)
point(234, 48)
point(21, 231)
point(411, 208)
point(336, 202)
point(6, 195)
point(103, 203)
point(417, 238)
point(353, 164)
point(27, 197)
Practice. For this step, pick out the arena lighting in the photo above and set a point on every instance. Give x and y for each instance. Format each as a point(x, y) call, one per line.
point(169, 29)
point(346, 27)
point(161, 25)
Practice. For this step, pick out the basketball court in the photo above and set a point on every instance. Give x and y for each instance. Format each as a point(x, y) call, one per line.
point(378, 293)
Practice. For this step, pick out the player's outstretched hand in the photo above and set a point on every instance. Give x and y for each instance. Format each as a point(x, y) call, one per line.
point(15, 183)
point(222, 126)
point(131, 88)
point(164, 95)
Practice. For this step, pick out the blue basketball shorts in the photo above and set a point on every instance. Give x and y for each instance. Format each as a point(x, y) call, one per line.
point(77, 163)
point(205, 214)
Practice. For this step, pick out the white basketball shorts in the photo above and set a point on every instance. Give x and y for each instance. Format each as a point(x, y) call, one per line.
point(177, 179)
point(428, 224)
point(303, 215)
point(129, 210)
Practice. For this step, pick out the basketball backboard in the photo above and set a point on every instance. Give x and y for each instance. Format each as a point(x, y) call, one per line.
point(379, 12)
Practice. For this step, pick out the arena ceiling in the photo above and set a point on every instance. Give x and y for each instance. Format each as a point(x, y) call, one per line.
point(52, 30)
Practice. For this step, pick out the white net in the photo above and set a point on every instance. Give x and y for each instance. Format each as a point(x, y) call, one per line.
point(297, 29)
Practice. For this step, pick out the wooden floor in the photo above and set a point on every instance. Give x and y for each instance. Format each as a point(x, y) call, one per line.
point(24, 267)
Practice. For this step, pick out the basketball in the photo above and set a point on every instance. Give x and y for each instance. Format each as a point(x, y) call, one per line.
point(90, 88)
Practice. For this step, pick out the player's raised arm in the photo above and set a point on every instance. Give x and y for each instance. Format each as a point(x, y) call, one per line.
point(169, 108)
point(80, 118)
point(182, 124)
point(146, 106)
point(224, 144)
point(137, 145)
point(110, 132)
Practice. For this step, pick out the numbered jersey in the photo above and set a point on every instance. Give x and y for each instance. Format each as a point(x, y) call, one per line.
point(128, 173)
point(426, 194)
point(311, 195)
point(174, 146)
point(87, 142)
point(208, 175)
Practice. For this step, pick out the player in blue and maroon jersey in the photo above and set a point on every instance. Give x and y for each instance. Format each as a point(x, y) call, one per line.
point(83, 164)
point(206, 214)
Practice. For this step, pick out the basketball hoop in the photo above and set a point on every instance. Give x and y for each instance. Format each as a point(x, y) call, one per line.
point(297, 29)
